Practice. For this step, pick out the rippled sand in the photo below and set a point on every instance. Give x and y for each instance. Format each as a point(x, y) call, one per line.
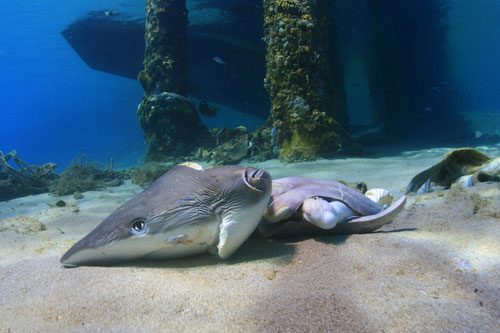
point(435, 268)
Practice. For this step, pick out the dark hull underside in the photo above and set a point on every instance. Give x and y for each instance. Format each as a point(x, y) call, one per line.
point(117, 47)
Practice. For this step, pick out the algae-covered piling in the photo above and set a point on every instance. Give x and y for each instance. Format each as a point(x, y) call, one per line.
point(165, 56)
point(170, 121)
point(299, 79)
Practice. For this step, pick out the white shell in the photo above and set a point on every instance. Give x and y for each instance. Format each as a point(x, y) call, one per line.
point(466, 181)
point(381, 197)
point(192, 165)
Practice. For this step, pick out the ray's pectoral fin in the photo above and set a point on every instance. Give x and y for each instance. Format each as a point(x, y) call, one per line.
point(234, 230)
point(369, 223)
point(275, 213)
point(285, 205)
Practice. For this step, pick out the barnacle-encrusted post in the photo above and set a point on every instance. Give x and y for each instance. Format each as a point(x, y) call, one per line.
point(165, 55)
point(299, 79)
point(170, 121)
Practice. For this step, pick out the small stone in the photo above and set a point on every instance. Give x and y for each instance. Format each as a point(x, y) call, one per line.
point(114, 182)
point(60, 203)
point(77, 195)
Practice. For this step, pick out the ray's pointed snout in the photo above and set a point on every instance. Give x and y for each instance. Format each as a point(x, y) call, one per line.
point(85, 250)
point(92, 247)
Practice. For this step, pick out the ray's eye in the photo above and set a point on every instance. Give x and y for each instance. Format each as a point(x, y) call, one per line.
point(138, 227)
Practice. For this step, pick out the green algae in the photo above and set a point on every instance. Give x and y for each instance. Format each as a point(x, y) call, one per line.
point(83, 175)
point(148, 173)
point(170, 121)
point(299, 80)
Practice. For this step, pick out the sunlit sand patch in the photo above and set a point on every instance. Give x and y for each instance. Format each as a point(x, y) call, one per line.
point(469, 252)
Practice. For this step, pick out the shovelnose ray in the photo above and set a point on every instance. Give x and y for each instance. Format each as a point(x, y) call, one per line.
point(303, 206)
point(184, 212)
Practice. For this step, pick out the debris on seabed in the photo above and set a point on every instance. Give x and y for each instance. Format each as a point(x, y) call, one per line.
point(464, 266)
point(430, 295)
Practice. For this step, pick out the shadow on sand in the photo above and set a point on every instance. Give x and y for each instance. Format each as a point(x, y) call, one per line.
point(278, 250)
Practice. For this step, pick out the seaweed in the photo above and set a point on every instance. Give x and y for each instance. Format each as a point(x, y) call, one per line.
point(83, 175)
point(231, 146)
point(262, 145)
point(234, 145)
point(25, 179)
point(18, 179)
point(147, 174)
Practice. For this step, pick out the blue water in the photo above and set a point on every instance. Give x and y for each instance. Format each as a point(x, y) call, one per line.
point(54, 107)
point(474, 52)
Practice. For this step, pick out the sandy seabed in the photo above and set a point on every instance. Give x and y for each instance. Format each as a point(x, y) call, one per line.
point(435, 268)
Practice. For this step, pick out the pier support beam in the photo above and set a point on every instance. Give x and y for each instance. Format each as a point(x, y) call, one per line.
point(165, 56)
point(305, 112)
point(170, 121)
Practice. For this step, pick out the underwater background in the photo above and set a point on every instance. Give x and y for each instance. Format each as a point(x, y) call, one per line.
point(55, 108)
point(409, 90)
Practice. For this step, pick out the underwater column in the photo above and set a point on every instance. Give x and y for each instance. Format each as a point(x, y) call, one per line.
point(387, 85)
point(170, 121)
point(298, 79)
point(165, 56)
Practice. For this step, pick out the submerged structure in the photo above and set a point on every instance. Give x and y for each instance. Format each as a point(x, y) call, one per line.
point(299, 81)
point(170, 121)
point(108, 43)
point(113, 42)
point(334, 74)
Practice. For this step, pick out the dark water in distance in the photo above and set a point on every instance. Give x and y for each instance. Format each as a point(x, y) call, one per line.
point(53, 107)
